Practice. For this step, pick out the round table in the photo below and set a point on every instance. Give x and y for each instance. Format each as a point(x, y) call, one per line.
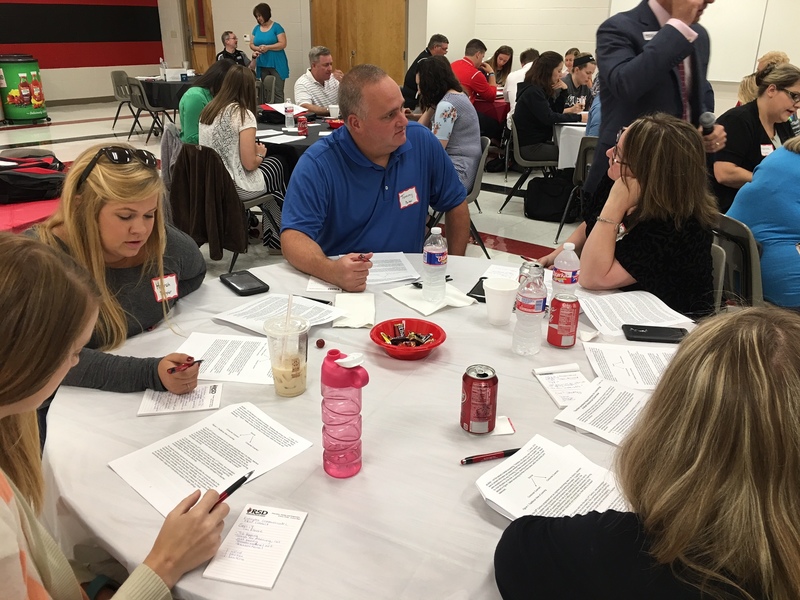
point(411, 524)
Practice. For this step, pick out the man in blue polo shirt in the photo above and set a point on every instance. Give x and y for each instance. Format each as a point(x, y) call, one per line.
point(367, 187)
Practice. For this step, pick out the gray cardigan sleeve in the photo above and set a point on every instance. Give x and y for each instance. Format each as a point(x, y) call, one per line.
point(111, 373)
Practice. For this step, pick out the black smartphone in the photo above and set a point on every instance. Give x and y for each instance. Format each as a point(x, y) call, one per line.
point(650, 333)
point(477, 291)
point(244, 283)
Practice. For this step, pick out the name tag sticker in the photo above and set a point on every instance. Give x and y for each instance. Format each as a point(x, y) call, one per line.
point(408, 197)
point(170, 287)
point(766, 149)
point(649, 35)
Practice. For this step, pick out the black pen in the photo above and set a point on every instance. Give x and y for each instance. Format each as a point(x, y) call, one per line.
point(317, 300)
point(234, 486)
point(490, 456)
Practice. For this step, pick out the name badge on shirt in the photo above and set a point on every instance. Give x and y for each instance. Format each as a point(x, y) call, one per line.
point(648, 35)
point(766, 149)
point(170, 287)
point(408, 197)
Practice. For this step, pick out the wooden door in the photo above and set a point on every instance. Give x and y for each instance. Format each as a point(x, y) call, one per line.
point(201, 34)
point(362, 31)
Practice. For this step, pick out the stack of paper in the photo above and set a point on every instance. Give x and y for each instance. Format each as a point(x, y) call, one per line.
point(638, 367)
point(253, 314)
point(610, 312)
point(549, 480)
point(563, 383)
point(607, 410)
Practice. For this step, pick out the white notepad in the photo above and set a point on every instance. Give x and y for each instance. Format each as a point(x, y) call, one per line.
point(254, 551)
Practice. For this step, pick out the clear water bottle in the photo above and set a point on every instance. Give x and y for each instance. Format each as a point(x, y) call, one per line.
point(530, 305)
point(566, 270)
point(288, 109)
point(434, 266)
point(341, 382)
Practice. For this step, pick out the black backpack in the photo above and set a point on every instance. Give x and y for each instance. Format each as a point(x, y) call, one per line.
point(546, 198)
point(27, 179)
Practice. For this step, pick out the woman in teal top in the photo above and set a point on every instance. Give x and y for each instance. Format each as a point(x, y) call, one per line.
point(196, 97)
point(269, 39)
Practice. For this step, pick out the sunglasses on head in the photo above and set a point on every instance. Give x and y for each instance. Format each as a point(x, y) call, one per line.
point(118, 155)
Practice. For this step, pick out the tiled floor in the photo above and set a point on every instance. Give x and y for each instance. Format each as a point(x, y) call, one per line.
point(74, 128)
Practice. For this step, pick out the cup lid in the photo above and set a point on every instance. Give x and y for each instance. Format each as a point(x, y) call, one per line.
point(278, 325)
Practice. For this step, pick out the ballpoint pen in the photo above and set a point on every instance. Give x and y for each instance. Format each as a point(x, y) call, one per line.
point(183, 367)
point(490, 456)
point(234, 486)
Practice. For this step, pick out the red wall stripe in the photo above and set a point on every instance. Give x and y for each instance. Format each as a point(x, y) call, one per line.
point(94, 54)
point(153, 3)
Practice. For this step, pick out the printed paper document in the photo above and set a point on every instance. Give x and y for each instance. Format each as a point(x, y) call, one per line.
point(240, 358)
point(548, 480)
point(390, 266)
point(203, 397)
point(638, 367)
point(610, 312)
point(563, 383)
point(253, 314)
point(607, 410)
point(211, 454)
point(254, 551)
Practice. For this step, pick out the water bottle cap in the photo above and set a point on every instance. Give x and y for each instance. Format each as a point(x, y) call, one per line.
point(352, 360)
point(436, 230)
point(337, 375)
point(569, 246)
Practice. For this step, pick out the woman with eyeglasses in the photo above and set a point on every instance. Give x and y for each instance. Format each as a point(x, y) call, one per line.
point(50, 306)
point(711, 473)
point(228, 126)
point(755, 130)
point(654, 231)
point(110, 220)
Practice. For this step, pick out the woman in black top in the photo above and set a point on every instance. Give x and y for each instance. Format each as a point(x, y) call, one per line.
point(755, 129)
point(537, 111)
point(711, 471)
point(653, 232)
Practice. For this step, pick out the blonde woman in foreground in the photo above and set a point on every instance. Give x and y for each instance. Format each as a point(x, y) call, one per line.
point(49, 306)
point(711, 471)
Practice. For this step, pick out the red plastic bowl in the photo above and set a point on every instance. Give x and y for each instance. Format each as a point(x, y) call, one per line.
point(406, 352)
point(335, 123)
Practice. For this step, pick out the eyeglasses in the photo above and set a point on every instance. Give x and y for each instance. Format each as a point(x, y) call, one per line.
point(793, 95)
point(615, 153)
point(118, 155)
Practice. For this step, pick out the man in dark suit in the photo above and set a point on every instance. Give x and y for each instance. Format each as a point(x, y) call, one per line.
point(645, 57)
point(652, 58)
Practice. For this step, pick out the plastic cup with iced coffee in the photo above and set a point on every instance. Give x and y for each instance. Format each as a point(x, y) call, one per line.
point(288, 353)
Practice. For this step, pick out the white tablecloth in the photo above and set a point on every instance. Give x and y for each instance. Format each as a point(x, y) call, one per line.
point(410, 525)
point(568, 139)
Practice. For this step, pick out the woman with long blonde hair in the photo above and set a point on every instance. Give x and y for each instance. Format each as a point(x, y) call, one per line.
point(49, 306)
point(110, 220)
point(711, 471)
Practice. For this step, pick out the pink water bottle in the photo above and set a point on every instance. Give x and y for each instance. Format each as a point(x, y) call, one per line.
point(341, 382)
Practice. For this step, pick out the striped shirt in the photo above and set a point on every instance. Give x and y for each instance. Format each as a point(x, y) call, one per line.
point(308, 90)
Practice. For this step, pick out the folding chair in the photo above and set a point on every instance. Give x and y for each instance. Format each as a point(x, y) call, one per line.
point(582, 166)
point(528, 165)
point(141, 102)
point(119, 81)
point(473, 196)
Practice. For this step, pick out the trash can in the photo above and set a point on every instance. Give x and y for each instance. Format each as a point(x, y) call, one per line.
point(21, 88)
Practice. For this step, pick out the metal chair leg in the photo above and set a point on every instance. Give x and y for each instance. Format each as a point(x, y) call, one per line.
point(474, 231)
point(116, 116)
point(478, 206)
point(572, 195)
point(517, 185)
point(135, 123)
point(233, 261)
point(135, 116)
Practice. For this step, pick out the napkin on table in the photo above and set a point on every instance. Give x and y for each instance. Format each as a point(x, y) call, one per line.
point(412, 296)
point(359, 310)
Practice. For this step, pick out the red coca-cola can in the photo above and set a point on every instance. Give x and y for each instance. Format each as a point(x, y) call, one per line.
point(563, 328)
point(478, 399)
point(302, 125)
